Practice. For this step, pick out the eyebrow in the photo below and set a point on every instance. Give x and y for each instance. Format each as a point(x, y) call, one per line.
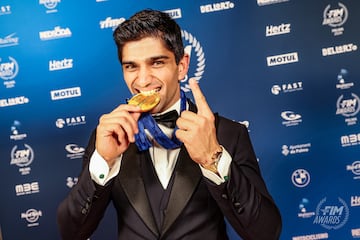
point(151, 59)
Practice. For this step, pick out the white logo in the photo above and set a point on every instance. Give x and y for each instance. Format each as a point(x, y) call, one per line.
point(32, 216)
point(15, 131)
point(74, 151)
point(355, 201)
point(9, 40)
point(345, 48)
point(13, 101)
point(27, 188)
point(111, 23)
point(277, 30)
point(200, 66)
point(291, 118)
point(74, 148)
point(282, 59)
point(174, 13)
point(22, 158)
point(348, 107)
point(331, 214)
point(70, 121)
point(60, 123)
point(70, 181)
point(5, 9)
point(350, 140)
point(217, 7)
point(58, 32)
point(267, 2)
point(335, 18)
point(286, 88)
point(65, 93)
point(355, 233)
point(355, 169)
point(8, 70)
point(300, 178)
point(303, 211)
point(341, 78)
point(312, 236)
point(50, 5)
point(245, 123)
point(60, 64)
point(295, 149)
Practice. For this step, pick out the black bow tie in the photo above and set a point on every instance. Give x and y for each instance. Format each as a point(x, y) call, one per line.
point(167, 119)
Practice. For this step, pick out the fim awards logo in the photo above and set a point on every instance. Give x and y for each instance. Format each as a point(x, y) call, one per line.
point(335, 18)
point(8, 71)
point(348, 106)
point(22, 158)
point(331, 214)
point(193, 44)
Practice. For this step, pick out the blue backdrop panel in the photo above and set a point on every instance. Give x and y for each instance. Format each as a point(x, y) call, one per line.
point(288, 69)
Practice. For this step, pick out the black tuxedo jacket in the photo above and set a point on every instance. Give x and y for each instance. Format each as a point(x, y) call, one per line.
point(196, 208)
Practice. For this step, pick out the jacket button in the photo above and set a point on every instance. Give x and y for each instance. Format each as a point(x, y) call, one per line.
point(240, 210)
point(84, 211)
point(224, 196)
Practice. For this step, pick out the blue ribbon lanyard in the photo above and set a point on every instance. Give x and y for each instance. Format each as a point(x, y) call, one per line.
point(148, 122)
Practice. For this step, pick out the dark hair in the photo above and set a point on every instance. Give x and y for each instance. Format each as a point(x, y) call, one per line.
point(150, 23)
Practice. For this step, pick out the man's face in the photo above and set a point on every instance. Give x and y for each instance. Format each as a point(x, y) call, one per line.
point(148, 65)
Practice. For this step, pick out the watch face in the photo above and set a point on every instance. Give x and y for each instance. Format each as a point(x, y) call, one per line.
point(216, 155)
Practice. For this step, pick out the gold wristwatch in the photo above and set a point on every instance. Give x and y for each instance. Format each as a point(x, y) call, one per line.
point(215, 157)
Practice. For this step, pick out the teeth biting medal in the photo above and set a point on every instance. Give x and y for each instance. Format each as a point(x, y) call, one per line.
point(145, 100)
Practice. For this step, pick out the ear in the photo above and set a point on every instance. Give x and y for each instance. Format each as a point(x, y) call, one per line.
point(183, 66)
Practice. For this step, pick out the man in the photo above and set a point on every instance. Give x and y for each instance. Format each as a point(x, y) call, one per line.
point(167, 183)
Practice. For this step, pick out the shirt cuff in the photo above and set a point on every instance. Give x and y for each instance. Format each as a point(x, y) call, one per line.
point(100, 171)
point(223, 169)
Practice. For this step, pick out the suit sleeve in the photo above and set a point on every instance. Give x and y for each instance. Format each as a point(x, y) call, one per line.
point(79, 214)
point(244, 198)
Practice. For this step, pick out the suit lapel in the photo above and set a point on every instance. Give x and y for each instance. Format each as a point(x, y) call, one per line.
point(187, 176)
point(133, 186)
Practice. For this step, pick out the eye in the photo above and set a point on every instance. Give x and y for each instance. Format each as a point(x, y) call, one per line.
point(129, 67)
point(158, 63)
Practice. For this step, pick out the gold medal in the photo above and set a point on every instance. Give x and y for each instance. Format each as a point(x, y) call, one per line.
point(146, 101)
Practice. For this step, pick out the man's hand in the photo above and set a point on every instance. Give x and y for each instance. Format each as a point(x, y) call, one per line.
point(116, 131)
point(197, 130)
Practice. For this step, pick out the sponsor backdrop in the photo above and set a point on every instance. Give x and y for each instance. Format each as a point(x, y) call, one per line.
point(289, 70)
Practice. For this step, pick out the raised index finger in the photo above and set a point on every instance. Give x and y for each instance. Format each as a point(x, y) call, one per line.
point(200, 100)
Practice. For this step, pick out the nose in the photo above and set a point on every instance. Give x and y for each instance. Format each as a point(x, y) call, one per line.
point(144, 77)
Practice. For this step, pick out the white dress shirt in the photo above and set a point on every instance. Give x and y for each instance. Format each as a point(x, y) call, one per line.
point(164, 161)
